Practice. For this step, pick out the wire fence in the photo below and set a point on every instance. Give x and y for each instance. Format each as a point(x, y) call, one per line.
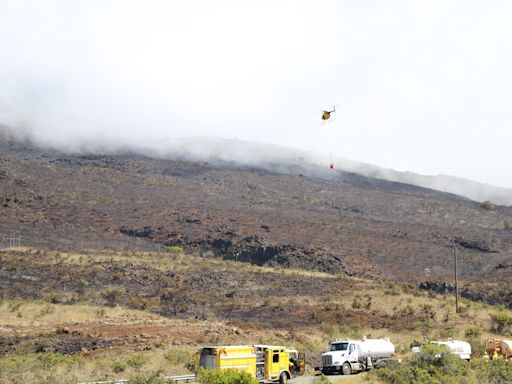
point(19, 240)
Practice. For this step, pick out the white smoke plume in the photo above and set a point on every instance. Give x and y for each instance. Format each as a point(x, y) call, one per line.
point(420, 87)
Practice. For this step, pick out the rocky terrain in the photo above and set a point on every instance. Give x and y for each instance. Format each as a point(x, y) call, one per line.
point(117, 264)
point(352, 224)
point(106, 303)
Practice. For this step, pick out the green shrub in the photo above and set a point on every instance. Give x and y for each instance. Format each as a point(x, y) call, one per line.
point(178, 357)
point(501, 323)
point(41, 368)
point(447, 331)
point(119, 366)
point(114, 295)
point(408, 288)
point(224, 376)
point(81, 286)
point(434, 364)
point(137, 360)
point(147, 378)
point(393, 290)
point(352, 332)
point(138, 302)
point(424, 326)
point(477, 347)
point(497, 371)
point(48, 361)
point(435, 358)
point(473, 332)
point(405, 374)
point(174, 248)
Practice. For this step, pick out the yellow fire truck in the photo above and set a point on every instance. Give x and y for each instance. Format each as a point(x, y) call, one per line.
point(267, 363)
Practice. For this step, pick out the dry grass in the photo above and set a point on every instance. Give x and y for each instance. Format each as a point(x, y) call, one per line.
point(32, 317)
point(25, 313)
point(177, 261)
point(56, 368)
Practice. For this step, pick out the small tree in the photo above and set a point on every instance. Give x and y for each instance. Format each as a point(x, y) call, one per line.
point(114, 295)
point(82, 286)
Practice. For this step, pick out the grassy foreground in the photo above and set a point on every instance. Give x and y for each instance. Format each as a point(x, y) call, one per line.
point(105, 340)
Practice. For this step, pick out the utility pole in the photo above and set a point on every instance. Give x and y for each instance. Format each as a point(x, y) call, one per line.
point(456, 277)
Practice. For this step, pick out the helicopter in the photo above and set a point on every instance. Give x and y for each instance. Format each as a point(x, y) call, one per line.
point(326, 115)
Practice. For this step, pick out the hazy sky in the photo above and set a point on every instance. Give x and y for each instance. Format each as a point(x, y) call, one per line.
point(424, 86)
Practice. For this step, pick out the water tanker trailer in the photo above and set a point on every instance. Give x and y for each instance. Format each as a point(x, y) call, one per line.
point(349, 356)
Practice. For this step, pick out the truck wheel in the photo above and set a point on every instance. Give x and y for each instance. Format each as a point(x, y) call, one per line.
point(346, 369)
point(283, 379)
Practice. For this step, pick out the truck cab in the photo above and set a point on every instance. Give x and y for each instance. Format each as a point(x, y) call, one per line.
point(274, 363)
point(341, 358)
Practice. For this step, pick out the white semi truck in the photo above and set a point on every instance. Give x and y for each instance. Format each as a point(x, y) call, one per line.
point(348, 356)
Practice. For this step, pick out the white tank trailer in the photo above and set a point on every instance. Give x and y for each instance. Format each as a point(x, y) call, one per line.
point(348, 356)
point(457, 347)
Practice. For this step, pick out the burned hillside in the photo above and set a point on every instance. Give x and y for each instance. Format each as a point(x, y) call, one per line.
point(350, 224)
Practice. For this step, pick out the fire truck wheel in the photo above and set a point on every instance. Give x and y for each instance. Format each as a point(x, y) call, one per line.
point(283, 379)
